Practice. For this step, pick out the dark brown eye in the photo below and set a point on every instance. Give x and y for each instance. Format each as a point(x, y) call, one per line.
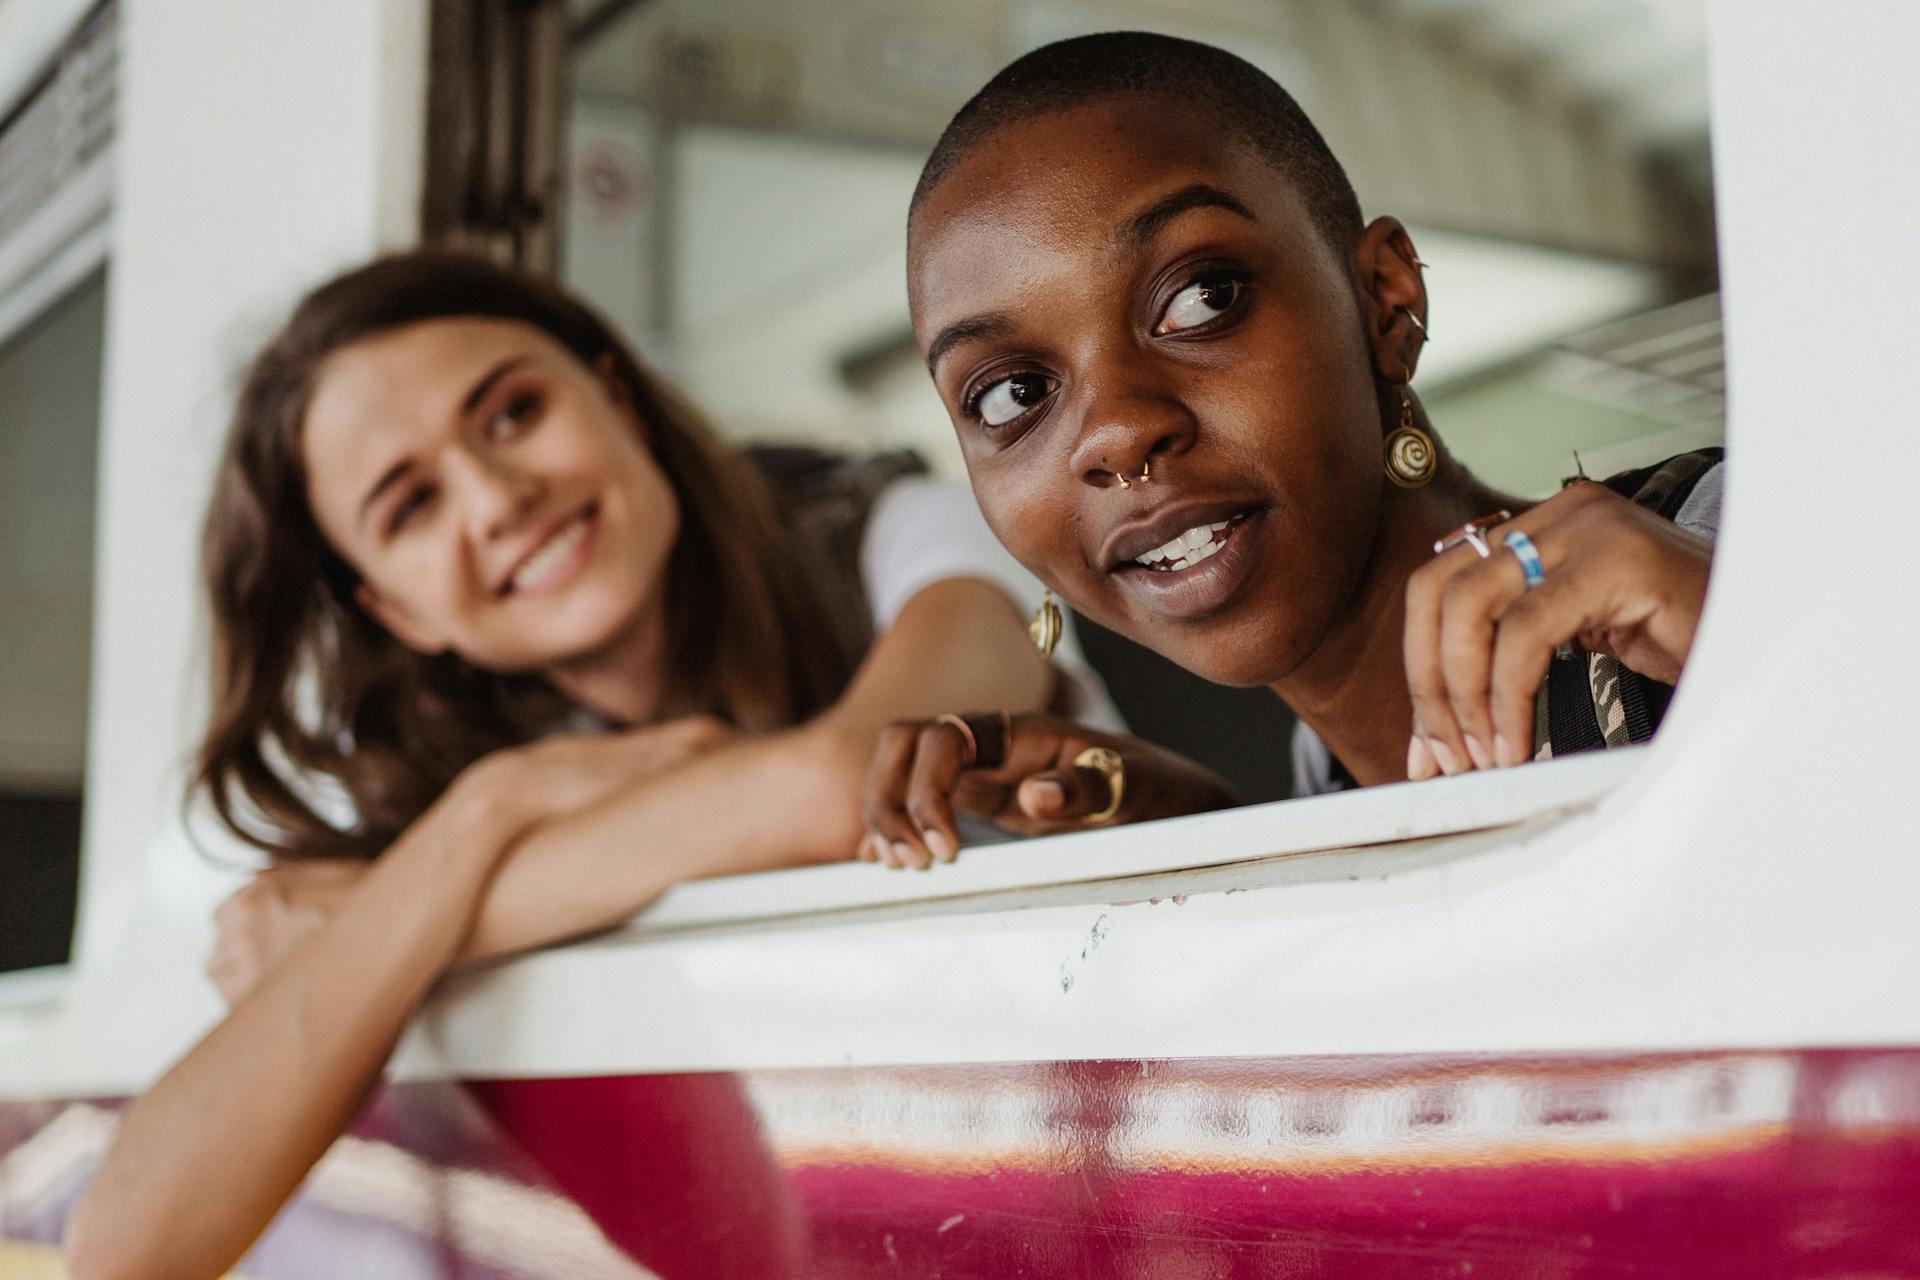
point(408, 508)
point(1008, 398)
point(1205, 299)
point(514, 415)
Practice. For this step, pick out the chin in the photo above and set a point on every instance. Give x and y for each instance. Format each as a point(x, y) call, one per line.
point(576, 630)
point(1230, 653)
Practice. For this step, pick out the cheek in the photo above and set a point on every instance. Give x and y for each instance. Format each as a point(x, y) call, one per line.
point(1313, 420)
point(426, 575)
point(1031, 520)
point(659, 514)
point(653, 513)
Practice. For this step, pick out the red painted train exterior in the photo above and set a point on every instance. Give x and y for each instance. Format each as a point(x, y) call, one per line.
point(1794, 1164)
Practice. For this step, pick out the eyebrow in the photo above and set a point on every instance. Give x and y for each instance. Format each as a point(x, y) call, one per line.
point(992, 325)
point(1134, 234)
point(474, 396)
point(1130, 237)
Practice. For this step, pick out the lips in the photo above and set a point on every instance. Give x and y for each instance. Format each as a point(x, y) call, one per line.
point(1202, 580)
point(1184, 550)
point(547, 560)
point(1136, 538)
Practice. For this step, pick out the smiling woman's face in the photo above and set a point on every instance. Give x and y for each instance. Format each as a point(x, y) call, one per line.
point(1125, 285)
point(491, 491)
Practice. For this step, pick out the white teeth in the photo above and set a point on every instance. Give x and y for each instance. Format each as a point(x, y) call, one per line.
point(1184, 550)
point(531, 574)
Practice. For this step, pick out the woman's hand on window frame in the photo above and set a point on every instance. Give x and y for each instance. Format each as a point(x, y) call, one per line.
point(919, 782)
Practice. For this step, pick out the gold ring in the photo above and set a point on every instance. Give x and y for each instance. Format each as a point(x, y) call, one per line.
point(1108, 764)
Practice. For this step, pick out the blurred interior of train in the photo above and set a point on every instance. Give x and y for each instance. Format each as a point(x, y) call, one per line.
point(726, 179)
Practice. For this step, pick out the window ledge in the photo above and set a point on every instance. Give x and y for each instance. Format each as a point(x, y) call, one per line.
point(765, 969)
point(997, 874)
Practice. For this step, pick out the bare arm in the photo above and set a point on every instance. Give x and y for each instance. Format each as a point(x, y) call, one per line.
point(631, 814)
point(782, 800)
point(203, 1161)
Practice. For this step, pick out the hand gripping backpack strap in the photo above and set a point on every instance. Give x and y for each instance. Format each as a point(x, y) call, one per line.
point(1594, 701)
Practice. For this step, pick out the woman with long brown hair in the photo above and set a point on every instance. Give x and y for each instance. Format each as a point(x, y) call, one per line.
point(506, 644)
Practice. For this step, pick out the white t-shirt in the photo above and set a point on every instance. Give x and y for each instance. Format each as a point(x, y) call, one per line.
point(922, 531)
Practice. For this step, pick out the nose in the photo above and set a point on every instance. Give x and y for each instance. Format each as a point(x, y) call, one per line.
point(1128, 423)
point(499, 495)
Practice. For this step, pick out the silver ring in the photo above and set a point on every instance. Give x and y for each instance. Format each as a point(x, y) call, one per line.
point(1474, 534)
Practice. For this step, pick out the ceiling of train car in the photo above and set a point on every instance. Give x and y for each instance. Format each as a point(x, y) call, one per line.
point(1550, 156)
point(1577, 124)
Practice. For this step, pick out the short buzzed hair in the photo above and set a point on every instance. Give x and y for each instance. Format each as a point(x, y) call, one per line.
point(1070, 73)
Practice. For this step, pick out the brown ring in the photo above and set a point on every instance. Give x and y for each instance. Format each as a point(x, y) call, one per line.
point(991, 732)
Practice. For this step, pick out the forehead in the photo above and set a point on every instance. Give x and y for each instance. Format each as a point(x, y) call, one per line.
point(410, 376)
point(1059, 184)
point(391, 395)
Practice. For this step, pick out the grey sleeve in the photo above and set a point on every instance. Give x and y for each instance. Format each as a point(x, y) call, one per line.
point(1700, 513)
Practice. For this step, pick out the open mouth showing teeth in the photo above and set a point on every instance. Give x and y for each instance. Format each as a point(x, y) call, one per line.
point(534, 571)
point(1184, 550)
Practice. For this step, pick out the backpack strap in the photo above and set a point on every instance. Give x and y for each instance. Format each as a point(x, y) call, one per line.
point(1591, 700)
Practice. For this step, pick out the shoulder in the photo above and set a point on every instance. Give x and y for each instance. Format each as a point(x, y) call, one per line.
point(1684, 489)
point(923, 530)
point(926, 530)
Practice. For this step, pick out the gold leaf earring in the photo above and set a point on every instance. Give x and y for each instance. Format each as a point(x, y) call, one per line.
point(1410, 456)
point(1045, 627)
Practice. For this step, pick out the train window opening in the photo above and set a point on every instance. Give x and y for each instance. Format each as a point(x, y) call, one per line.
point(734, 184)
point(58, 90)
point(49, 380)
point(734, 193)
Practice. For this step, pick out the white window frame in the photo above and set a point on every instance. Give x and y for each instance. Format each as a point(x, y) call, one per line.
point(1747, 879)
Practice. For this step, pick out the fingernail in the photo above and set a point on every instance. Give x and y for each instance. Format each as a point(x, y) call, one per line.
point(903, 853)
point(1503, 751)
point(1048, 794)
point(1443, 756)
point(941, 845)
point(1481, 760)
point(1419, 760)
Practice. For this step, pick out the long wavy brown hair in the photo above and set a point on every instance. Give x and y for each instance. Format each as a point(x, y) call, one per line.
point(314, 703)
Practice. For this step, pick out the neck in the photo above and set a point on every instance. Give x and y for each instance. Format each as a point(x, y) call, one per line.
point(1352, 689)
point(624, 680)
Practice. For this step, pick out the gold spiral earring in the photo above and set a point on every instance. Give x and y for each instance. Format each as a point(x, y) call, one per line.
point(1045, 627)
point(1410, 456)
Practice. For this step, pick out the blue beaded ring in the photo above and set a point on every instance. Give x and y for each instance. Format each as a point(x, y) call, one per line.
point(1529, 557)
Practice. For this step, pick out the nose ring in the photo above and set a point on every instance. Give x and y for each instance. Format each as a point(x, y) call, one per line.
point(1146, 475)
